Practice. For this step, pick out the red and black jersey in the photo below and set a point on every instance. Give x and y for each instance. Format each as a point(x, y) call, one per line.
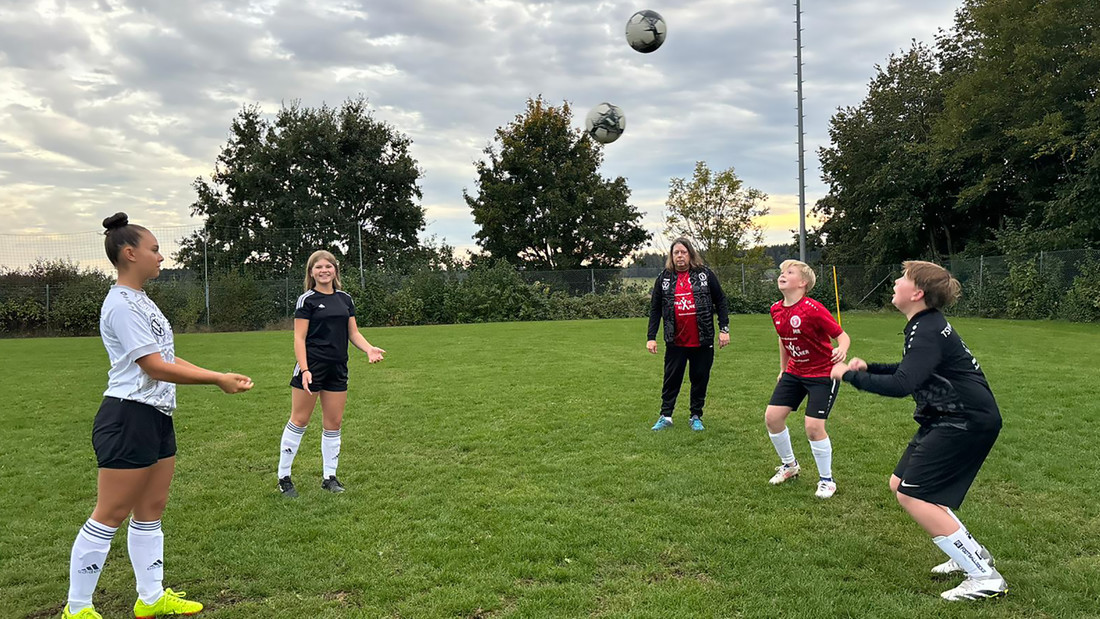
point(806, 330)
point(687, 325)
point(328, 314)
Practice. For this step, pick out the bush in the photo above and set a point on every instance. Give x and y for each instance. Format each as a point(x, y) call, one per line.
point(22, 315)
point(1082, 302)
point(372, 297)
point(239, 304)
point(430, 287)
point(1032, 295)
point(408, 309)
point(182, 302)
point(495, 293)
point(75, 307)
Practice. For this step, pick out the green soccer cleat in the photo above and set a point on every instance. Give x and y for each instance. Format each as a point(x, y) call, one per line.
point(169, 604)
point(85, 613)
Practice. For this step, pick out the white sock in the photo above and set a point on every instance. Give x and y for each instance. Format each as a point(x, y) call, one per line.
point(330, 452)
point(292, 438)
point(963, 548)
point(955, 518)
point(823, 455)
point(145, 541)
point(90, 549)
point(782, 442)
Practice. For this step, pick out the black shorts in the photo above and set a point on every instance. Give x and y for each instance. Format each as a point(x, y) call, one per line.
point(791, 390)
point(941, 462)
point(131, 435)
point(323, 377)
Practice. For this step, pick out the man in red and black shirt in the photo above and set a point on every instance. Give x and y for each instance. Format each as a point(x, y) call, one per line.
point(806, 356)
point(687, 296)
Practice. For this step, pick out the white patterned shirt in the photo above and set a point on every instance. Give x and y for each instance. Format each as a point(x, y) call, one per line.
point(132, 326)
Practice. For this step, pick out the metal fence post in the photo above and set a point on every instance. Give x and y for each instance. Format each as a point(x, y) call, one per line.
point(742, 279)
point(981, 276)
point(592, 274)
point(206, 276)
point(47, 309)
point(359, 231)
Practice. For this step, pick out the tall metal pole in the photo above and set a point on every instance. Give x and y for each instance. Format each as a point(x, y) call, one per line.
point(801, 136)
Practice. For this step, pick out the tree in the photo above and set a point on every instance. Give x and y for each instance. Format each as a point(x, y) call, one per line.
point(540, 201)
point(988, 141)
point(310, 179)
point(1021, 126)
point(648, 260)
point(889, 198)
point(717, 212)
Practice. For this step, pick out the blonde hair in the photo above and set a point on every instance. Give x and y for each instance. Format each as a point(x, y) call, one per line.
point(804, 270)
point(940, 289)
point(321, 254)
point(695, 261)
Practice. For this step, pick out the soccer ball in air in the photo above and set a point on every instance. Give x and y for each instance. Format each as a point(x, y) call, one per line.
point(646, 31)
point(605, 123)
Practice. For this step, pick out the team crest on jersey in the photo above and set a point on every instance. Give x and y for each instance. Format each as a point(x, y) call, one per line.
point(796, 321)
point(664, 285)
point(155, 325)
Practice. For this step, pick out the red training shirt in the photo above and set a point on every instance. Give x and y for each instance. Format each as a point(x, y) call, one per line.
point(805, 329)
point(687, 327)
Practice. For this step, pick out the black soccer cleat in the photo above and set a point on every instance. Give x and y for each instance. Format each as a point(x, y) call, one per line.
point(286, 487)
point(332, 485)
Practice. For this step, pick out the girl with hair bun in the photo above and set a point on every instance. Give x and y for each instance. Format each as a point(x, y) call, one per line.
point(133, 435)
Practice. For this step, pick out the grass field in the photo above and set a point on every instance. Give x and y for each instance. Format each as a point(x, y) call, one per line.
point(508, 470)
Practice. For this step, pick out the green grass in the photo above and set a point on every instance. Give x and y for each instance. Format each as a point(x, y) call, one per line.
point(508, 470)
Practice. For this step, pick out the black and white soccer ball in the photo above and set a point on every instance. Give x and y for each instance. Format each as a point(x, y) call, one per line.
point(646, 31)
point(605, 123)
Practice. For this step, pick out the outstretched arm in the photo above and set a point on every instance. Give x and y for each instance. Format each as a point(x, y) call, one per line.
point(920, 361)
point(374, 354)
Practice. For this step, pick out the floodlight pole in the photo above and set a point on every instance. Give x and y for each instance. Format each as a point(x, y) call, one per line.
point(801, 135)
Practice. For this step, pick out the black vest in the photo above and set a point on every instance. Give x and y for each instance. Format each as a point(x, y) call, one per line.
point(704, 305)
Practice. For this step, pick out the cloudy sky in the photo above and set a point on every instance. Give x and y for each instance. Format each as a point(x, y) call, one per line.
point(112, 105)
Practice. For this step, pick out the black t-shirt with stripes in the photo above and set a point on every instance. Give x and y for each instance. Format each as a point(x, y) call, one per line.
point(328, 314)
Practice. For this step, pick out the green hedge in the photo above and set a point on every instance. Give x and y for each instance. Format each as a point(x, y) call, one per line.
point(1011, 287)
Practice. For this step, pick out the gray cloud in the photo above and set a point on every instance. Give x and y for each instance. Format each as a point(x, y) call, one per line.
point(112, 104)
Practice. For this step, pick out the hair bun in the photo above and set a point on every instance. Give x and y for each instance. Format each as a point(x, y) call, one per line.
point(117, 220)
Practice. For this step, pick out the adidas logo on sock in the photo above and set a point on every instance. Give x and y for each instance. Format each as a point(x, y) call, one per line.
point(91, 569)
point(288, 451)
point(158, 564)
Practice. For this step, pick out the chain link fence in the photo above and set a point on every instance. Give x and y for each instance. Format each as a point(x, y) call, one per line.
point(54, 284)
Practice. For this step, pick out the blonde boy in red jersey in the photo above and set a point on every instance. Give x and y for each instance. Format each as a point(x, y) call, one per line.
point(806, 356)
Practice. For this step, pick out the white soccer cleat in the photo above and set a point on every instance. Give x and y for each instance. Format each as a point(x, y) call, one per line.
point(825, 489)
point(784, 472)
point(992, 586)
point(951, 567)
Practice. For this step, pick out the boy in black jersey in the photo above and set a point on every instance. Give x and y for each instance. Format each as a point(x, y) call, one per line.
point(959, 422)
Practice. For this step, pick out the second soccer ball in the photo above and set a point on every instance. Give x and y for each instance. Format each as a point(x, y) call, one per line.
point(605, 123)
